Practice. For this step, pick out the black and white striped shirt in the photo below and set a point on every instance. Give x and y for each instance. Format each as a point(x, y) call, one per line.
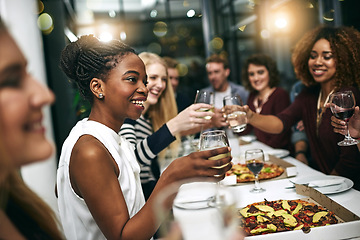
point(148, 144)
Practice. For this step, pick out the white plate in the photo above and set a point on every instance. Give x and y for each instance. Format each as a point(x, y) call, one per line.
point(346, 185)
point(280, 153)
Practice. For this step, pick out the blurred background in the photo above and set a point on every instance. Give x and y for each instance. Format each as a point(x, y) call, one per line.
point(187, 30)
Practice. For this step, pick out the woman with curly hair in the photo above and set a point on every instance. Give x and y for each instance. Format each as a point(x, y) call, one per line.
point(326, 59)
point(98, 182)
point(261, 78)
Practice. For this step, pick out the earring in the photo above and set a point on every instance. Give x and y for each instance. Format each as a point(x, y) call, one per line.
point(101, 95)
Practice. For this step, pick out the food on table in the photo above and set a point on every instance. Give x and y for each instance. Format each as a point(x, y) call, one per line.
point(243, 174)
point(283, 215)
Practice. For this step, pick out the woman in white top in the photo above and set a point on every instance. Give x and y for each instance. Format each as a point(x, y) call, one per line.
point(98, 180)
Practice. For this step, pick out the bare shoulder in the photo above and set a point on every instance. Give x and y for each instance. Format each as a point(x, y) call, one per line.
point(90, 161)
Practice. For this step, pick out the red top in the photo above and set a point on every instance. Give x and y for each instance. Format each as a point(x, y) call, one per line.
point(325, 152)
point(276, 103)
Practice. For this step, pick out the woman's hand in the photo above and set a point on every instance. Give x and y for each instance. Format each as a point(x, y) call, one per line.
point(354, 124)
point(190, 118)
point(198, 165)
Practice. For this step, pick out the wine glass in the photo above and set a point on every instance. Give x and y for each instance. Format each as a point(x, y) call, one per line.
point(255, 162)
point(211, 140)
point(205, 97)
point(342, 105)
point(235, 117)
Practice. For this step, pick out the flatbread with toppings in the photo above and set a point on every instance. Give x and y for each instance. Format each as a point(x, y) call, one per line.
point(283, 215)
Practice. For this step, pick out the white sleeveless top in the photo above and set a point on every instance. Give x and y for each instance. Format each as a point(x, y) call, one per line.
point(76, 219)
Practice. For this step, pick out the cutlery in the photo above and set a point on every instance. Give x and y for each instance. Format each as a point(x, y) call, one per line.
point(319, 183)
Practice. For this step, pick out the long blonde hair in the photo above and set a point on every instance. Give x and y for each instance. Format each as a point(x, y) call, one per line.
point(13, 188)
point(166, 108)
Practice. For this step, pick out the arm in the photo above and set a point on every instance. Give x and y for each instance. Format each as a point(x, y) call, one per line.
point(266, 123)
point(189, 121)
point(93, 175)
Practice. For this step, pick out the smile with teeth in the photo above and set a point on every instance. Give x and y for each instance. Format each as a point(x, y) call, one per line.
point(137, 102)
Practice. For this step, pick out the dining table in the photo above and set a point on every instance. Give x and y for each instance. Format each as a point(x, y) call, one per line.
point(280, 189)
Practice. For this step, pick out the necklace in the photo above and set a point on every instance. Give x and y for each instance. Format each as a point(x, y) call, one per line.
point(321, 109)
point(259, 103)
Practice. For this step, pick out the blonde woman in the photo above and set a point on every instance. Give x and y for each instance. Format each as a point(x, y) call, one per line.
point(160, 126)
point(23, 215)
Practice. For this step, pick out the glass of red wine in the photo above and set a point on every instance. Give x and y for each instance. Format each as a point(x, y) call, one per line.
point(255, 162)
point(342, 105)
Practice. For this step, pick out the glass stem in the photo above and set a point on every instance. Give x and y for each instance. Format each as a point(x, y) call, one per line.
point(347, 136)
point(257, 184)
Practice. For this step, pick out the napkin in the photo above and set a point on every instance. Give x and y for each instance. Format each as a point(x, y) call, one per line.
point(325, 183)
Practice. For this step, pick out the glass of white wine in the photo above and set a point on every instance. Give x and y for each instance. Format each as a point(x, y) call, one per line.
point(236, 118)
point(212, 140)
point(205, 97)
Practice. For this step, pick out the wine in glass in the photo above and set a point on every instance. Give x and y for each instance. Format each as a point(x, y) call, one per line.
point(211, 140)
point(255, 162)
point(205, 97)
point(235, 117)
point(342, 105)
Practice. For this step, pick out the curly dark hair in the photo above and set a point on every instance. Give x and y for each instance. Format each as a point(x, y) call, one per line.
point(345, 46)
point(89, 58)
point(261, 60)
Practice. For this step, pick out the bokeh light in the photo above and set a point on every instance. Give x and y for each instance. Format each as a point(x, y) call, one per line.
point(265, 34)
point(183, 69)
point(281, 23)
point(40, 6)
point(329, 16)
point(45, 23)
point(160, 29)
point(153, 13)
point(190, 13)
point(112, 13)
point(217, 43)
point(123, 36)
point(154, 48)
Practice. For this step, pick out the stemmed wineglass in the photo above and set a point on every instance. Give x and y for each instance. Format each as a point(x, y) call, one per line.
point(342, 105)
point(255, 162)
point(205, 97)
point(235, 117)
point(211, 140)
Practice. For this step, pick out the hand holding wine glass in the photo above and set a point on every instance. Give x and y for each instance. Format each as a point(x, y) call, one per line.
point(342, 105)
point(255, 162)
point(211, 140)
point(235, 117)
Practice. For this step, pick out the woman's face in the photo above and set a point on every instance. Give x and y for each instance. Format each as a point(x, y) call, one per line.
point(125, 88)
point(21, 101)
point(321, 62)
point(258, 77)
point(157, 79)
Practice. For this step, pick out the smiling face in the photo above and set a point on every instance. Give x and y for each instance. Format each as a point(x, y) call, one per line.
point(258, 77)
point(321, 62)
point(125, 89)
point(157, 78)
point(21, 101)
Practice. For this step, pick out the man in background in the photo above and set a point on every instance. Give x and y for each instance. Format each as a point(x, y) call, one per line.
point(218, 71)
point(182, 100)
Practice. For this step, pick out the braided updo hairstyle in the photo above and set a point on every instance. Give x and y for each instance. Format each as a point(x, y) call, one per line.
point(89, 58)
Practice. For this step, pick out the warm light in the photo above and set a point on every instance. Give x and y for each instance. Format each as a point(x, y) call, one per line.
point(105, 37)
point(160, 29)
point(190, 13)
point(281, 23)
